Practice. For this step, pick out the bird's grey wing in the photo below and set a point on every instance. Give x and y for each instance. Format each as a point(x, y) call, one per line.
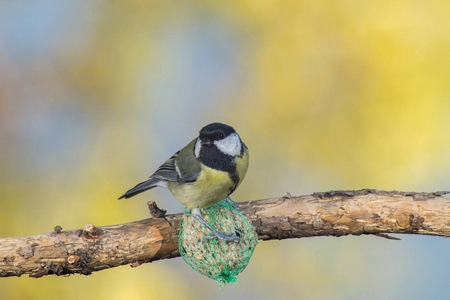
point(188, 167)
point(167, 171)
point(182, 167)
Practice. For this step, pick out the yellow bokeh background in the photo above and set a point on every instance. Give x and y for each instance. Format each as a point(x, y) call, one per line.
point(94, 95)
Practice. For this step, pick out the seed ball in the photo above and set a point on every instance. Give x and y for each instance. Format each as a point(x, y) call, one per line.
point(215, 258)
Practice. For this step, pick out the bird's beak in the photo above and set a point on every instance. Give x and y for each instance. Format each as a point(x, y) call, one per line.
point(205, 142)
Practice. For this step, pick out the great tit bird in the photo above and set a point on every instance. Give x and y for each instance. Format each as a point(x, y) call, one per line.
point(203, 173)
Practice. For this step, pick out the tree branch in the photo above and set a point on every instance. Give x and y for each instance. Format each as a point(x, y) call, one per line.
point(334, 213)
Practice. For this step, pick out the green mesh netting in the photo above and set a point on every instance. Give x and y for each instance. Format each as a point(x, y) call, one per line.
point(215, 258)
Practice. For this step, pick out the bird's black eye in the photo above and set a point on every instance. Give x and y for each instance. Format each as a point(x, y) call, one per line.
point(221, 136)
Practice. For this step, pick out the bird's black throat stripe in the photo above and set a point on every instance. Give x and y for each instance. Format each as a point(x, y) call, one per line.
point(212, 157)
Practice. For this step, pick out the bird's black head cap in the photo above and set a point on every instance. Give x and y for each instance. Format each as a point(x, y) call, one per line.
point(216, 131)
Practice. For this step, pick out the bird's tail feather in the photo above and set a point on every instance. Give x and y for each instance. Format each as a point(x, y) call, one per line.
point(141, 187)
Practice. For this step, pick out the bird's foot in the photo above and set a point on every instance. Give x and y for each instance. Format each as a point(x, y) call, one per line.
point(234, 203)
point(228, 237)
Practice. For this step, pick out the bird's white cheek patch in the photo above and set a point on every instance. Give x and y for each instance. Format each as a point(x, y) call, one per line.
point(230, 145)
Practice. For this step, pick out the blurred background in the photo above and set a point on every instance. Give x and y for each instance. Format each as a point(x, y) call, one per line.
point(94, 95)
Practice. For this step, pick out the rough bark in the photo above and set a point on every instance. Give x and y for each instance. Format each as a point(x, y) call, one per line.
point(334, 213)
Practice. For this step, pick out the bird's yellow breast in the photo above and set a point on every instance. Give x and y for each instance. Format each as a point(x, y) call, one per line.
point(210, 187)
